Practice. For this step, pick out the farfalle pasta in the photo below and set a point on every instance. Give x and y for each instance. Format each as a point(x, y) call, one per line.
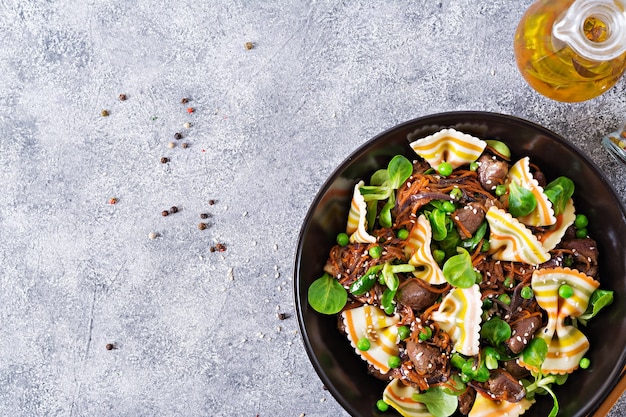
point(459, 316)
point(448, 292)
point(357, 221)
point(511, 241)
point(543, 214)
point(451, 146)
point(400, 396)
point(552, 236)
point(371, 323)
point(566, 344)
point(418, 246)
point(486, 407)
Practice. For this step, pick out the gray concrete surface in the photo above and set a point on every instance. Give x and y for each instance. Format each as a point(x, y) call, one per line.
point(196, 332)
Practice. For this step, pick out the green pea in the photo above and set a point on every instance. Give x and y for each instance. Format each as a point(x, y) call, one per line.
point(394, 361)
point(487, 303)
point(402, 234)
point(448, 207)
point(403, 332)
point(363, 344)
point(479, 277)
point(456, 193)
point(527, 293)
point(473, 166)
point(376, 252)
point(445, 169)
point(425, 334)
point(343, 239)
point(505, 298)
point(501, 190)
point(584, 363)
point(566, 291)
point(581, 233)
point(581, 221)
point(509, 282)
point(382, 406)
point(439, 255)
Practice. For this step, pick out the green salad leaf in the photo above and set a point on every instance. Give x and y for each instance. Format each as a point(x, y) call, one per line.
point(438, 224)
point(521, 201)
point(437, 401)
point(375, 192)
point(599, 299)
point(399, 170)
point(386, 300)
point(326, 295)
point(383, 184)
point(379, 177)
point(496, 331)
point(559, 192)
point(385, 213)
point(542, 385)
point(459, 271)
point(391, 279)
point(535, 353)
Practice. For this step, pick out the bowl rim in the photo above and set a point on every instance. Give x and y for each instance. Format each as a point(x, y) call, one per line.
point(614, 377)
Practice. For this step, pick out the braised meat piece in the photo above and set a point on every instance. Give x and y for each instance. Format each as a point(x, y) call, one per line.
point(428, 361)
point(491, 172)
point(502, 386)
point(515, 369)
point(415, 294)
point(583, 248)
point(522, 332)
point(585, 254)
point(468, 219)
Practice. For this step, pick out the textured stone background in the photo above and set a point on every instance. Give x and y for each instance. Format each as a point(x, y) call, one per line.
point(196, 332)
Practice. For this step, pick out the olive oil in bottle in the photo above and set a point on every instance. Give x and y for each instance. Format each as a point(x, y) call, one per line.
point(572, 50)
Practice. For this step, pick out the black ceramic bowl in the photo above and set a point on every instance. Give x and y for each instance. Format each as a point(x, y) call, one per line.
point(344, 374)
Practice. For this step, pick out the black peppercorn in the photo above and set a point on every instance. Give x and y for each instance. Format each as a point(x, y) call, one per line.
point(211, 202)
point(185, 145)
point(204, 216)
point(184, 100)
point(173, 209)
point(178, 136)
point(164, 160)
point(110, 346)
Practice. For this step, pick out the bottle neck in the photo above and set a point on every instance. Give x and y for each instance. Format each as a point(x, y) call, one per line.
point(594, 29)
